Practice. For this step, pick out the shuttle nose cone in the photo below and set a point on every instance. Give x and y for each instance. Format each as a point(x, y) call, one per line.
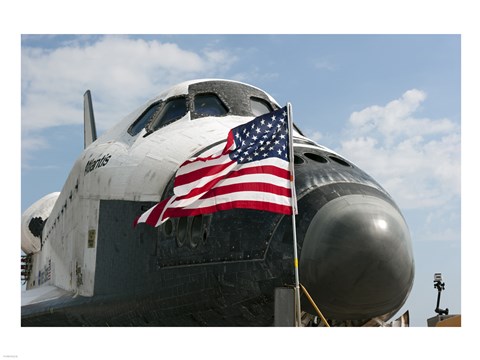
point(356, 260)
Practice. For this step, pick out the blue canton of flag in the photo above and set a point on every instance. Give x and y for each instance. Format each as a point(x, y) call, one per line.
point(263, 137)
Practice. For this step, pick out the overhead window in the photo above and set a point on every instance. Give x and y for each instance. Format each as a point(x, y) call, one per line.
point(143, 120)
point(259, 106)
point(209, 105)
point(171, 111)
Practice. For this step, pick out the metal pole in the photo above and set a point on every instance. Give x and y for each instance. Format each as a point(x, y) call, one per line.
point(298, 311)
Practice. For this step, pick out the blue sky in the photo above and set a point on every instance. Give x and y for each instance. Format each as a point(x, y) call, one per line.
point(390, 103)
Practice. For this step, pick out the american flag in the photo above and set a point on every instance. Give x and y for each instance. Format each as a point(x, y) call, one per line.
point(251, 172)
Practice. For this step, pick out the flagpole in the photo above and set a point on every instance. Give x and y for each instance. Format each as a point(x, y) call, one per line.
point(298, 312)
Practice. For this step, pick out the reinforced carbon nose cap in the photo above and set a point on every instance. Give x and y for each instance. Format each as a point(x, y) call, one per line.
point(356, 260)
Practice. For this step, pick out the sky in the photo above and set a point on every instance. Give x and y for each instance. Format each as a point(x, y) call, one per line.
point(393, 102)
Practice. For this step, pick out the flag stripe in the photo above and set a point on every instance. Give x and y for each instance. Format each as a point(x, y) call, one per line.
point(249, 187)
point(258, 188)
point(198, 186)
point(264, 173)
point(202, 171)
point(200, 162)
point(256, 178)
point(229, 146)
point(232, 204)
point(188, 190)
point(261, 170)
point(248, 193)
point(259, 197)
point(152, 216)
point(266, 166)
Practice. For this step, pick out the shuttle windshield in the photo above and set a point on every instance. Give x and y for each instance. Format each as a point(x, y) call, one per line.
point(205, 99)
point(259, 106)
point(144, 119)
point(173, 109)
point(209, 105)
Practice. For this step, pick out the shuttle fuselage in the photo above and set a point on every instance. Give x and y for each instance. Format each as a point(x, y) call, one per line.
point(355, 255)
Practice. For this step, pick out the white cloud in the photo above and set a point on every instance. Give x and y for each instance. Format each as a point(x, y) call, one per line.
point(314, 135)
point(324, 64)
point(416, 159)
point(395, 119)
point(30, 146)
point(449, 219)
point(34, 143)
point(254, 73)
point(122, 73)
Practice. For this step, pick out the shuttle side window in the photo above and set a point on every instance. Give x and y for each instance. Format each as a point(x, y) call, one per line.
point(209, 105)
point(259, 106)
point(172, 110)
point(143, 120)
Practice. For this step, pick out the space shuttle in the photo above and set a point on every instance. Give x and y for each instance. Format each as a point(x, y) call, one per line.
point(85, 264)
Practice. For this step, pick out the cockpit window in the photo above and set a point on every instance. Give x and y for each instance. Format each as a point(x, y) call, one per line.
point(172, 110)
point(211, 98)
point(143, 120)
point(259, 106)
point(208, 105)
